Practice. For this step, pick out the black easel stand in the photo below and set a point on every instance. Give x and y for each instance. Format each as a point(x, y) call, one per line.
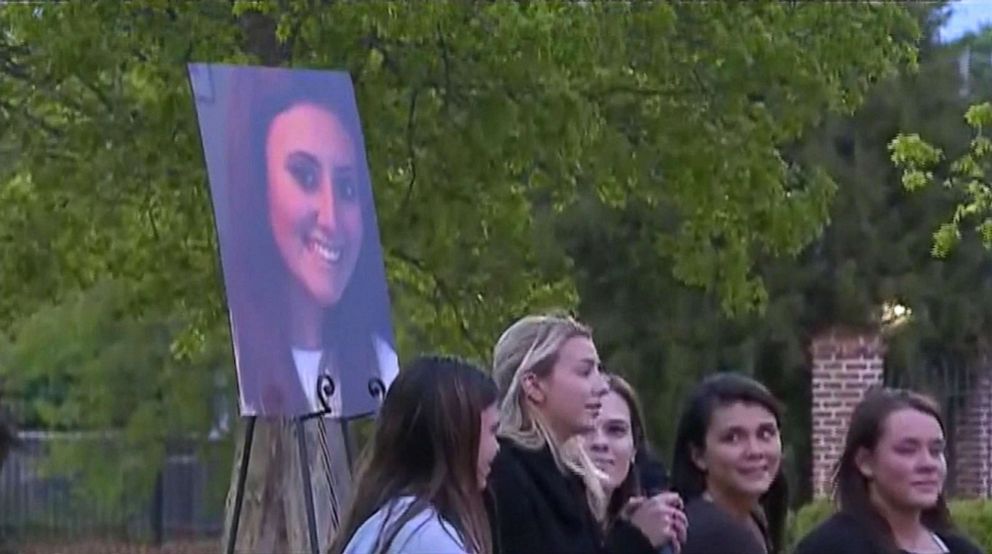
point(325, 390)
point(239, 491)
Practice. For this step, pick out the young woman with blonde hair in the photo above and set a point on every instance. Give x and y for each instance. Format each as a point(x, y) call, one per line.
point(547, 494)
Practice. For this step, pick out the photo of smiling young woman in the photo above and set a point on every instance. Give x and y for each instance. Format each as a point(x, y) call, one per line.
point(299, 242)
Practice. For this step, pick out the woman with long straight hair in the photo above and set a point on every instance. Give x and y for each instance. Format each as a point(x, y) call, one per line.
point(619, 448)
point(547, 493)
point(302, 257)
point(889, 483)
point(728, 467)
point(420, 485)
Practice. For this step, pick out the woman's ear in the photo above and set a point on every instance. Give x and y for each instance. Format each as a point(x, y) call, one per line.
point(696, 455)
point(865, 462)
point(533, 388)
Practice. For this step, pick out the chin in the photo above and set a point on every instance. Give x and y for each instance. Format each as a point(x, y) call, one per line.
point(923, 502)
point(756, 490)
point(325, 297)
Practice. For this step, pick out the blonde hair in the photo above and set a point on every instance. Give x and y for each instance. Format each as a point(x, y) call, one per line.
point(531, 346)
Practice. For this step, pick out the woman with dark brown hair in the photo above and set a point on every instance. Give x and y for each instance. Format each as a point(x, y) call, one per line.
point(890, 483)
point(419, 486)
point(727, 467)
point(299, 241)
point(619, 448)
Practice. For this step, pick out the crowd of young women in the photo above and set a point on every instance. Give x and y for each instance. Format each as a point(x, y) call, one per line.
point(550, 455)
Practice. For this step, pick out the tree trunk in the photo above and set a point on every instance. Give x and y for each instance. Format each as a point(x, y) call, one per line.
point(273, 514)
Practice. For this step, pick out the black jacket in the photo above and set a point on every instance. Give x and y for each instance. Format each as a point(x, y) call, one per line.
point(536, 509)
point(843, 533)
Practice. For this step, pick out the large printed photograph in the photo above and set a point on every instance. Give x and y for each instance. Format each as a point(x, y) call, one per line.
point(299, 243)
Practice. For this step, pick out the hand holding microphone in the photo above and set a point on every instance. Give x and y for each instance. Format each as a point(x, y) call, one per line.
point(661, 518)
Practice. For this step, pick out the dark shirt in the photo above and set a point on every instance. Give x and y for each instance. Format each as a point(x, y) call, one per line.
point(714, 531)
point(843, 533)
point(537, 509)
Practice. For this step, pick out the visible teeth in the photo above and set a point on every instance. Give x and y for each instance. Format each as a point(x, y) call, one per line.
point(329, 254)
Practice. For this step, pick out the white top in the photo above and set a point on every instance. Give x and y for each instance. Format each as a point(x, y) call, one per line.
point(307, 364)
point(308, 368)
point(940, 543)
point(426, 533)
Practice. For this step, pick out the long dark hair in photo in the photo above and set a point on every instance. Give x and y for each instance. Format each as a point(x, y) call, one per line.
point(255, 272)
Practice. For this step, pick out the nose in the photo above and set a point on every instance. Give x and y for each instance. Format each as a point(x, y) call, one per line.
point(596, 441)
point(326, 204)
point(600, 386)
point(930, 462)
point(752, 446)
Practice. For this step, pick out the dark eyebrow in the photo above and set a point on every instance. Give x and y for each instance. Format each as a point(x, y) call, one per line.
point(915, 440)
point(298, 156)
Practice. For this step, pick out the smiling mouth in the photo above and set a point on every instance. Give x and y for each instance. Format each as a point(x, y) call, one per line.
point(926, 484)
point(754, 472)
point(601, 463)
point(325, 251)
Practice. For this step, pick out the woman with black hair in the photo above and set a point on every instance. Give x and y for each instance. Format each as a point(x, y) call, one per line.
point(728, 468)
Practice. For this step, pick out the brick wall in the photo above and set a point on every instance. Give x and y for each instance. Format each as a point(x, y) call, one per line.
point(845, 365)
point(973, 441)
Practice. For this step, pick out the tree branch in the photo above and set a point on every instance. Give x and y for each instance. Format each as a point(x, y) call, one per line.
point(444, 291)
point(411, 153)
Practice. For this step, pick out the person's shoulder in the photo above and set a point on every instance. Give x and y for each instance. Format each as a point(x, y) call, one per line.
point(838, 533)
point(959, 544)
point(426, 531)
point(704, 514)
point(712, 531)
point(386, 358)
point(510, 468)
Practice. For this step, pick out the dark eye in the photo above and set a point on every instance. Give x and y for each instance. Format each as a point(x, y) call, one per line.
point(734, 436)
point(344, 184)
point(906, 450)
point(305, 172)
point(616, 430)
point(768, 433)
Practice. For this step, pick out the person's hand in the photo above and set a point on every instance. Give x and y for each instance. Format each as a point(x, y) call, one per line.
point(660, 518)
point(680, 521)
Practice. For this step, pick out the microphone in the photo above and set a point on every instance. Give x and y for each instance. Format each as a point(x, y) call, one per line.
point(668, 547)
point(654, 479)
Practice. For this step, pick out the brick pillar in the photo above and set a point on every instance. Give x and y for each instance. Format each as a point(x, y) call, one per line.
point(973, 441)
point(845, 364)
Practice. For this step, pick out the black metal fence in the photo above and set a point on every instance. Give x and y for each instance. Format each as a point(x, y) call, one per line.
point(38, 503)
